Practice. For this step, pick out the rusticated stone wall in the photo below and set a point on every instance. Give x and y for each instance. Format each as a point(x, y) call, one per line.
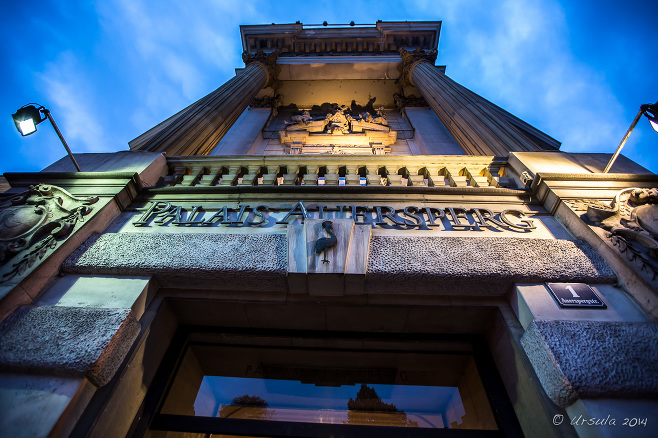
point(594, 359)
point(225, 261)
point(478, 266)
point(67, 341)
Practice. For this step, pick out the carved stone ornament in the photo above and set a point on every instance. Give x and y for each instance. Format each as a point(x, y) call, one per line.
point(408, 61)
point(402, 101)
point(267, 101)
point(631, 225)
point(269, 61)
point(33, 223)
point(341, 129)
point(325, 243)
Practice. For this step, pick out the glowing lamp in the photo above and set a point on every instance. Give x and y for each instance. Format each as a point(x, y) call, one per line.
point(29, 116)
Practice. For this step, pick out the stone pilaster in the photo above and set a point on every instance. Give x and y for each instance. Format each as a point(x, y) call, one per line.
point(199, 128)
point(468, 118)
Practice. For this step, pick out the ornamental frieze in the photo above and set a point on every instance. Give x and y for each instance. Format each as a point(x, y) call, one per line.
point(34, 223)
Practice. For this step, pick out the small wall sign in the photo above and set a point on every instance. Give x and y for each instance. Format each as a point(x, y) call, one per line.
point(578, 295)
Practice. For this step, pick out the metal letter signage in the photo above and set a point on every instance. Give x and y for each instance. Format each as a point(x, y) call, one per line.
point(164, 213)
point(578, 295)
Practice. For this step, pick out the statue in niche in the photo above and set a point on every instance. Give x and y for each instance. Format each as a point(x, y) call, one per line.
point(631, 221)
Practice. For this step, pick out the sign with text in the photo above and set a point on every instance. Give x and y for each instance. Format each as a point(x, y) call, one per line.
point(164, 213)
point(575, 295)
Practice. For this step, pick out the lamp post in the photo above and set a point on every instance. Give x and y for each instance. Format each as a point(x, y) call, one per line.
point(650, 111)
point(29, 116)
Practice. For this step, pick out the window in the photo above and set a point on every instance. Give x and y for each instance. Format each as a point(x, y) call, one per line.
point(250, 384)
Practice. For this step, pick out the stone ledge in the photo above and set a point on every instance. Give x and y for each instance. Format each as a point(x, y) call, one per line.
point(67, 341)
point(218, 261)
point(592, 359)
point(471, 265)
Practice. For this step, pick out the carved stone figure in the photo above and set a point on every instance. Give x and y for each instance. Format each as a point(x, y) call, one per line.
point(324, 243)
point(632, 223)
point(33, 222)
point(381, 118)
point(337, 122)
point(304, 118)
point(316, 131)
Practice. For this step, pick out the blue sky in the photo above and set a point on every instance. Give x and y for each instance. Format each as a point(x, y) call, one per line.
point(110, 70)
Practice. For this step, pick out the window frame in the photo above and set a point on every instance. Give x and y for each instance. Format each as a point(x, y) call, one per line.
point(150, 418)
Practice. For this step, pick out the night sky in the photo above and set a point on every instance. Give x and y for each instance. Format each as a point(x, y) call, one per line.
point(110, 70)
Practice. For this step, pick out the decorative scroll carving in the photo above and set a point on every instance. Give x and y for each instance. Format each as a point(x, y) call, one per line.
point(408, 61)
point(34, 222)
point(631, 222)
point(339, 131)
point(402, 101)
point(269, 61)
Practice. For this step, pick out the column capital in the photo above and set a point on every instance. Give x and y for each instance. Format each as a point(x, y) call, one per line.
point(268, 62)
point(410, 60)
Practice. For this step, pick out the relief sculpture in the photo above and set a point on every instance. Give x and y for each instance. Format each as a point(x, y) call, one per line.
point(631, 225)
point(33, 223)
point(338, 131)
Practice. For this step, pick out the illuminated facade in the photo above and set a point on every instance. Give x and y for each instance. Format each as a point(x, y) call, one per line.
point(339, 241)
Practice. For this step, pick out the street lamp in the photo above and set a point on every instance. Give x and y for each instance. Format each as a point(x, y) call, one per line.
point(650, 111)
point(29, 116)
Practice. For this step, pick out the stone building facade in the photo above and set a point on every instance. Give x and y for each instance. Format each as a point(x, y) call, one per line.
point(340, 220)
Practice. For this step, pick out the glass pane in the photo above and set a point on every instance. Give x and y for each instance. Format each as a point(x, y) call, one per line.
point(428, 390)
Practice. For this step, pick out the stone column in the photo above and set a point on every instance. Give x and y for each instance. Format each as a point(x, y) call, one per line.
point(468, 117)
point(198, 129)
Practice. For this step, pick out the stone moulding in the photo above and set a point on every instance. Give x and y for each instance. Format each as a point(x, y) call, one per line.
point(593, 359)
point(34, 223)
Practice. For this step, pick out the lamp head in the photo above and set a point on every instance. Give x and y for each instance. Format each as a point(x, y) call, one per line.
point(27, 118)
point(651, 112)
